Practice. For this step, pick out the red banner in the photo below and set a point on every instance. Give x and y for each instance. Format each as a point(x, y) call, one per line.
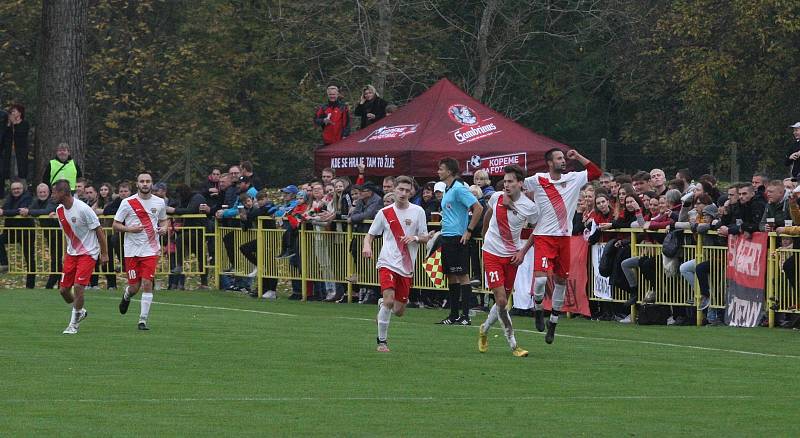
point(746, 275)
point(575, 300)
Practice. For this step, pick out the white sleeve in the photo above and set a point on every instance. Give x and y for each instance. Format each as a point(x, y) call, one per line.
point(422, 220)
point(162, 212)
point(530, 183)
point(378, 224)
point(583, 177)
point(90, 219)
point(494, 199)
point(122, 212)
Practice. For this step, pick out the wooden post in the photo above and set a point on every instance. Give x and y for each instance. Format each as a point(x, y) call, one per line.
point(603, 153)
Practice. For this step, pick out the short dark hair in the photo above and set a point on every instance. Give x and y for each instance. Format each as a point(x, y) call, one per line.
point(246, 165)
point(451, 164)
point(684, 174)
point(515, 170)
point(62, 185)
point(679, 184)
point(548, 156)
point(329, 170)
point(623, 179)
point(392, 179)
point(641, 176)
point(125, 184)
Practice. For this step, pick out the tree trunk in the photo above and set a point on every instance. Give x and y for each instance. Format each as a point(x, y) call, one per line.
point(62, 80)
point(384, 42)
point(484, 63)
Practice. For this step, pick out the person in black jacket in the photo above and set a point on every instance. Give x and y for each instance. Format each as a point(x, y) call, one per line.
point(18, 229)
point(14, 138)
point(751, 210)
point(189, 233)
point(371, 108)
point(44, 206)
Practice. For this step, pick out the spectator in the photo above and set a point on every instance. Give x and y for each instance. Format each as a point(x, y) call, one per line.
point(605, 180)
point(14, 139)
point(233, 210)
point(789, 184)
point(429, 202)
point(388, 184)
point(670, 211)
point(62, 167)
point(234, 172)
point(371, 107)
point(707, 214)
point(712, 189)
point(80, 186)
point(188, 233)
point(482, 180)
point(327, 175)
point(43, 206)
point(318, 214)
point(105, 197)
point(18, 230)
point(793, 154)
point(212, 185)
point(391, 108)
point(776, 212)
point(623, 191)
point(641, 182)
point(366, 207)
point(751, 210)
point(438, 191)
point(388, 199)
point(90, 194)
point(247, 170)
point(333, 117)
point(658, 181)
point(677, 184)
point(685, 175)
point(759, 182)
point(280, 212)
point(249, 218)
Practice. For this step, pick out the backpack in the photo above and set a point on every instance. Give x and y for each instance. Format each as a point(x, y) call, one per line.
point(606, 267)
point(672, 244)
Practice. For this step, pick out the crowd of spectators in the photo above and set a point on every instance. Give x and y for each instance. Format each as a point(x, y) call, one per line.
point(236, 197)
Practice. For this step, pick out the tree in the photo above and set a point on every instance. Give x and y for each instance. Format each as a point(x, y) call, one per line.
point(62, 84)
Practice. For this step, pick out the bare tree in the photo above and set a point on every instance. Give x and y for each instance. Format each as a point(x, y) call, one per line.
point(384, 38)
point(62, 79)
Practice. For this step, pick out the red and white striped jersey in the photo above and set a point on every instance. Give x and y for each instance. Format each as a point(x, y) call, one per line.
point(503, 234)
point(557, 201)
point(78, 224)
point(147, 213)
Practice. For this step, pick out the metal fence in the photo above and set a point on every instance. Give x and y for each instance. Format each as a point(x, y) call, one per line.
point(195, 246)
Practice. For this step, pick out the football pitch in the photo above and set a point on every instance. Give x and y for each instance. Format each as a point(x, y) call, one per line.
point(217, 364)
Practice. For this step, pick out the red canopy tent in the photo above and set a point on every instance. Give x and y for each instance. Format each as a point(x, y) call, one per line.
point(443, 121)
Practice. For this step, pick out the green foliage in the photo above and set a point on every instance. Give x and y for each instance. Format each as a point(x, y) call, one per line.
point(233, 79)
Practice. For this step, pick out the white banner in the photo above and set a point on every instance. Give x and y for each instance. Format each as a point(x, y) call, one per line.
point(601, 287)
point(522, 284)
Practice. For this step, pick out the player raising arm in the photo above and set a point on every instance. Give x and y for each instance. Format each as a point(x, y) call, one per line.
point(556, 194)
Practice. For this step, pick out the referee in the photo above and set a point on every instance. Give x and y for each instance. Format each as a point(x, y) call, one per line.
point(457, 229)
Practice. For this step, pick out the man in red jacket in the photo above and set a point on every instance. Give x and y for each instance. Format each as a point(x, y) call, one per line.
point(333, 117)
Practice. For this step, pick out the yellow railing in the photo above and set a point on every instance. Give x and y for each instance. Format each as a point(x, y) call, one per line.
point(334, 256)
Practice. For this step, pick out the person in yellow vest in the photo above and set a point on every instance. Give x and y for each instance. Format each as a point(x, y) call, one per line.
point(62, 167)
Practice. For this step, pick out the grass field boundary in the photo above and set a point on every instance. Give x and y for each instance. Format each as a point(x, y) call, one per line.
point(591, 338)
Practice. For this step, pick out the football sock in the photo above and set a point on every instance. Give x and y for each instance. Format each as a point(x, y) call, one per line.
point(466, 299)
point(490, 319)
point(559, 290)
point(127, 295)
point(453, 294)
point(147, 298)
point(505, 319)
point(74, 316)
point(384, 315)
point(539, 285)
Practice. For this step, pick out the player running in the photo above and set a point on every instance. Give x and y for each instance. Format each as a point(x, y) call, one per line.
point(556, 194)
point(143, 218)
point(403, 227)
point(85, 240)
point(507, 213)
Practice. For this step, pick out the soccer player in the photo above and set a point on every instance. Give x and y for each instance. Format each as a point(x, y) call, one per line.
point(506, 214)
point(556, 194)
point(143, 218)
point(457, 229)
point(85, 240)
point(403, 227)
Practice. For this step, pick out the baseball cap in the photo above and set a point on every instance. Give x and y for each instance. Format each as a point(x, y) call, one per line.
point(292, 189)
point(160, 186)
point(796, 125)
point(439, 187)
point(244, 179)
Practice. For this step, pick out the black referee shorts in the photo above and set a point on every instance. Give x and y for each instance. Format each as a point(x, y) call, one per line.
point(455, 256)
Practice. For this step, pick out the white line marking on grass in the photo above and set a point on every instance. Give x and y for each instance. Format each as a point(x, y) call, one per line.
point(404, 399)
point(632, 341)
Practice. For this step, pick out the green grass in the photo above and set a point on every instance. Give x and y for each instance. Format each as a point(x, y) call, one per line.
point(313, 371)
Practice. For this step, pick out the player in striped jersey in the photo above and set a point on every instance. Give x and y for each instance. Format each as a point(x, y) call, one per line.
point(506, 215)
point(85, 242)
